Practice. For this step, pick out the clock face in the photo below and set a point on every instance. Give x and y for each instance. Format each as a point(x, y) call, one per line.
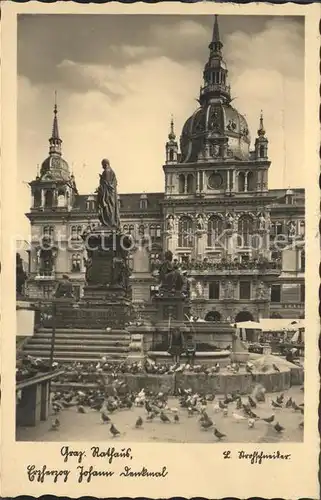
point(215, 181)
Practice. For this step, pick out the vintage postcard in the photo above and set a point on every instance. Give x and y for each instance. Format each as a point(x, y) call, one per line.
point(160, 250)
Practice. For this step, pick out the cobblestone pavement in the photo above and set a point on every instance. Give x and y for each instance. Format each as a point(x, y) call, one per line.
point(88, 427)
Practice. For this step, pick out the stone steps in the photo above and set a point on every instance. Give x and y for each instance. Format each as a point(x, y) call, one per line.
point(45, 341)
point(75, 355)
point(81, 345)
point(76, 347)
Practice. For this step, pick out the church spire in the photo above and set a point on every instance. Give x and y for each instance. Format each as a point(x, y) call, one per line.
point(215, 87)
point(171, 145)
point(261, 130)
point(171, 134)
point(261, 142)
point(216, 44)
point(55, 141)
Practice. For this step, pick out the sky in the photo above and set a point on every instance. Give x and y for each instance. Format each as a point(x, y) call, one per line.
point(120, 77)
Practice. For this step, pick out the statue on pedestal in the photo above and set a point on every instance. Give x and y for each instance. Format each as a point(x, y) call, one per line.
point(170, 277)
point(107, 198)
point(230, 220)
point(64, 288)
point(170, 223)
point(261, 291)
point(200, 222)
point(262, 221)
point(229, 290)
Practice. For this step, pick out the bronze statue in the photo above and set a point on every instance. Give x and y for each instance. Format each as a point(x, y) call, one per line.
point(107, 199)
point(170, 277)
point(64, 288)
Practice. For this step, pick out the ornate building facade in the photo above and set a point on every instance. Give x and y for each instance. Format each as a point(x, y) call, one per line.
point(241, 243)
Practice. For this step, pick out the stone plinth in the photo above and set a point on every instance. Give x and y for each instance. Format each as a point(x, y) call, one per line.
point(171, 307)
point(107, 294)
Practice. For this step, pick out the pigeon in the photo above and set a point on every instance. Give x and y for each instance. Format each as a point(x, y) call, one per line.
point(238, 417)
point(150, 416)
point(280, 399)
point(221, 405)
point(225, 412)
point(176, 418)
point(115, 432)
point(139, 422)
point(278, 427)
point(104, 417)
point(288, 404)
point(55, 424)
point(81, 409)
point(269, 420)
point(276, 368)
point(219, 434)
point(296, 407)
point(252, 402)
point(164, 418)
point(239, 404)
point(276, 405)
point(251, 423)
point(251, 414)
point(206, 424)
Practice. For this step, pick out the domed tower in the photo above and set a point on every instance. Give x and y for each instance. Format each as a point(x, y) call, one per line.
point(171, 145)
point(54, 187)
point(261, 142)
point(216, 131)
point(215, 156)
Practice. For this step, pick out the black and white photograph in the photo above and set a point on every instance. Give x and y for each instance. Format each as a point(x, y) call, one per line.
point(160, 269)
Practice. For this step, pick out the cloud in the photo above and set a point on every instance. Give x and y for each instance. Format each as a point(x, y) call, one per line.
point(122, 111)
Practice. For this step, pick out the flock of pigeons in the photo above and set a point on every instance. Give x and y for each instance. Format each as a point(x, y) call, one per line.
point(155, 407)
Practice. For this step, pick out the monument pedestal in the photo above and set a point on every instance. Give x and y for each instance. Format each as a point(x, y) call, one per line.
point(107, 295)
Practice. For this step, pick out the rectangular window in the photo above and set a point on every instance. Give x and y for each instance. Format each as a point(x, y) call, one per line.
point(276, 293)
point(245, 290)
point(302, 293)
point(214, 290)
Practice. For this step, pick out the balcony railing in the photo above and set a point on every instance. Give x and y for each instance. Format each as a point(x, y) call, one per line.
point(45, 275)
point(246, 267)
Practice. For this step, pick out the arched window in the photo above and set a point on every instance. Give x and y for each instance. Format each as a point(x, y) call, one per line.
point(250, 182)
point(76, 263)
point(61, 199)
point(37, 199)
point(245, 230)
point(48, 199)
point(181, 183)
point(190, 183)
point(154, 261)
point(143, 204)
point(158, 231)
point(152, 231)
point(141, 230)
point(48, 231)
point(262, 151)
point(171, 155)
point(302, 228)
point(185, 232)
point(131, 229)
point(241, 182)
point(214, 231)
point(213, 316)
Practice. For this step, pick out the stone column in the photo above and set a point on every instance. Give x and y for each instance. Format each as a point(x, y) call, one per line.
point(42, 198)
point(201, 243)
point(245, 181)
